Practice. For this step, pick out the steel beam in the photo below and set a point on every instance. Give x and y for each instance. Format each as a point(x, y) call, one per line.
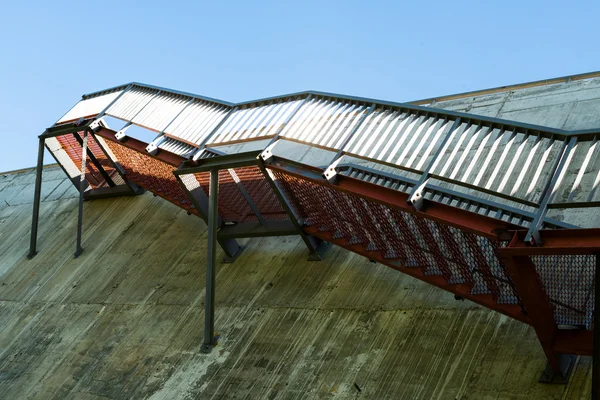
point(556, 242)
point(200, 201)
point(36, 199)
point(317, 248)
point(95, 161)
point(246, 195)
point(72, 127)
point(237, 160)
point(257, 229)
point(108, 192)
point(211, 262)
point(537, 304)
point(479, 224)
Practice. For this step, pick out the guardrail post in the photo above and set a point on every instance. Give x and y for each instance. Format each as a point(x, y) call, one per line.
point(533, 235)
point(416, 195)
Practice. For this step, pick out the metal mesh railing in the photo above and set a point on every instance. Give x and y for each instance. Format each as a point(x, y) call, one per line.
point(414, 242)
point(233, 207)
point(151, 174)
point(569, 283)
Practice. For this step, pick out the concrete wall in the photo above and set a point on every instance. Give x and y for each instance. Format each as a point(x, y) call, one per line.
point(571, 105)
point(125, 319)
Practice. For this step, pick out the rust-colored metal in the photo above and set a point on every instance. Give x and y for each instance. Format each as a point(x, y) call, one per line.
point(93, 175)
point(479, 224)
point(453, 238)
point(139, 146)
point(557, 242)
point(574, 341)
point(523, 273)
point(462, 290)
point(153, 173)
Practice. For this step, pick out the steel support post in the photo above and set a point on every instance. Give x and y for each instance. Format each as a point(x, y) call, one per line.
point(36, 199)
point(211, 254)
point(82, 182)
point(200, 201)
point(535, 300)
point(596, 356)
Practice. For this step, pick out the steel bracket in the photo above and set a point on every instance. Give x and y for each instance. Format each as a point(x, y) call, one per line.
point(331, 172)
point(152, 148)
point(121, 135)
point(417, 198)
point(267, 153)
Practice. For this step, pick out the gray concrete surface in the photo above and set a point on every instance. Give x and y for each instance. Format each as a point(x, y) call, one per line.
point(125, 319)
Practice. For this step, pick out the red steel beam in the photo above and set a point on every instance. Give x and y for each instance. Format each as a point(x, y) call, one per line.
point(576, 341)
point(525, 278)
point(470, 222)
point(462, 290)
point(557, 242)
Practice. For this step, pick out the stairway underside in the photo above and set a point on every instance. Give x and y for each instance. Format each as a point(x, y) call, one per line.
point(425, 210)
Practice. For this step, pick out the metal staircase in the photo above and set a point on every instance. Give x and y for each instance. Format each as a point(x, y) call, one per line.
point(454, 199)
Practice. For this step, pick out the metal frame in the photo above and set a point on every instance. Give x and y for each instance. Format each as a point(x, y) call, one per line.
point(211, 264)
point(559, 345)
point(127, 189)
point(316, 247)
point(537, 309)
point(418, 190)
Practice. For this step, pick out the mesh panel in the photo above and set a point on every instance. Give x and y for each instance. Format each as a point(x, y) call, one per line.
point(92, 175)
point(151, 174)
point(460, 257)
point(233, 207)
point(569, 283)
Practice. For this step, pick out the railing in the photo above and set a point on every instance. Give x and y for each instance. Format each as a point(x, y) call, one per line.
point(504, 169)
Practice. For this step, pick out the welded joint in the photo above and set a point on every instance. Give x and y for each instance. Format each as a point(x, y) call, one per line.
point(331, 172)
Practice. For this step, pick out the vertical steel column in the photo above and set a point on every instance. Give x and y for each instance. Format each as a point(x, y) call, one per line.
point(535, 300)
point(36, 199)
point(596, 354)
point(82, 182)
point(211, 255)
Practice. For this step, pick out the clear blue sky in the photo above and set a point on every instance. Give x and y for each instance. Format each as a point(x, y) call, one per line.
point(53, 52)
